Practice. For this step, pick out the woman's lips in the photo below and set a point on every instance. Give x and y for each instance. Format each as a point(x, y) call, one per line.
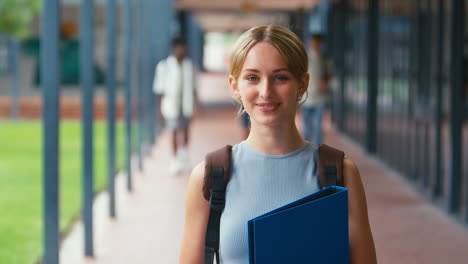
point(268, 107)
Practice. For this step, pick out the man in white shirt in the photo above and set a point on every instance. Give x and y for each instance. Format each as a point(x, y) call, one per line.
point(317, 93)
point(175, 83)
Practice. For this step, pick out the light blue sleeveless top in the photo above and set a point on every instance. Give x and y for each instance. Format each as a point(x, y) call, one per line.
point(260, 183)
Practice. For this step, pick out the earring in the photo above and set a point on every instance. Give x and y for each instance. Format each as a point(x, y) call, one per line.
point(299, 98)
point(238, 98)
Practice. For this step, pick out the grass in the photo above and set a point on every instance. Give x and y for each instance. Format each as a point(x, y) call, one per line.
point(21, 183)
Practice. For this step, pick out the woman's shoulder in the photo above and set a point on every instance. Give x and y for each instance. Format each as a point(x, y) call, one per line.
point(196, 183)
point(198, 173)
point(199, 169)
point(350, 169)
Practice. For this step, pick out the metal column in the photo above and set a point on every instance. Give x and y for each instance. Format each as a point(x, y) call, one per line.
point(195, 41)
point(139, 101)
point(87, 114)
point(342, 63)
point(149, 70)
point(456, 102)
point(144, 70)
point(111, 90)
point(50, 88)
point(151, 66)
point(373, 70)
point(127, 89)
point(437, 185)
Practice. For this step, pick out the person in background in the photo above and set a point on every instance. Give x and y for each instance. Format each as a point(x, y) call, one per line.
point(245, 123)
point(317, 94)
point(175, 84)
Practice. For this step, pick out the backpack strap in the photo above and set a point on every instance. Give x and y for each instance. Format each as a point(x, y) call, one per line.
point(330, 162)
point(220, 158)
point(217, 174)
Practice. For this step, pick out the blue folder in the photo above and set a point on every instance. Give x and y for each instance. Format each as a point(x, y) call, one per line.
point(313, 229)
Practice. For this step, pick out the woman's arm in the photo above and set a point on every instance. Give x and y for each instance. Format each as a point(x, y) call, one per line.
point(196, 217)
point(361, 243)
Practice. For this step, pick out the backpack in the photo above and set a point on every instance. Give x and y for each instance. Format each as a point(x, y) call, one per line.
point(217, 175)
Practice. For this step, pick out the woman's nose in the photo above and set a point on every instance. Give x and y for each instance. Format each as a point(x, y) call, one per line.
point(265, 88)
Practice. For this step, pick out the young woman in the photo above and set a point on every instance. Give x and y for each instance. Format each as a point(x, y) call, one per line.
point(274, 165)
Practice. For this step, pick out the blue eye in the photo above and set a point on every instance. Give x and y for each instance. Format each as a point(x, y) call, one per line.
point(281, 78)
point(252, 78)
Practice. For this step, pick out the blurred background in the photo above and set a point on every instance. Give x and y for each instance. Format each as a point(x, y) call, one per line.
point(81, 146)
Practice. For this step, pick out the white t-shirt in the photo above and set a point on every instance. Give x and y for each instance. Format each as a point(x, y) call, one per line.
point(176, 83)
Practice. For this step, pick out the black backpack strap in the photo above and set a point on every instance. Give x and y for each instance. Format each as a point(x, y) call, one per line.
point(330, 162)
point(217, 174)
point(217, 201)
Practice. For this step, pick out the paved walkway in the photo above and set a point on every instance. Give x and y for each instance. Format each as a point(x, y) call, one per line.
point(407, 229)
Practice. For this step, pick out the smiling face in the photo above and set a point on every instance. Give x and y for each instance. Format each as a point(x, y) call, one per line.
point(267, 88)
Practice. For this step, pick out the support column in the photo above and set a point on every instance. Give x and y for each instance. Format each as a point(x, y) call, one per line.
point(50, 89)
point(139, 65)
point(437, 187)
point(127, 89)
point(87, 117)
point(373, 71)
point(456, 103)
point(343, 12)
point(111, 90)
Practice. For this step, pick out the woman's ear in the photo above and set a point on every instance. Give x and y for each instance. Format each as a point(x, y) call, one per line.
point(304, 84)
point(233, 85)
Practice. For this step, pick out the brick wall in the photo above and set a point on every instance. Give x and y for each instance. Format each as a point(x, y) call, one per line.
point(70, 108)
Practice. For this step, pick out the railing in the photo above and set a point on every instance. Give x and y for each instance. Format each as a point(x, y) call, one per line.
point(147, 32)
point(401, 89)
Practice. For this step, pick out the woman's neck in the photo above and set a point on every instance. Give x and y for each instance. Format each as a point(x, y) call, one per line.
point(275, 140)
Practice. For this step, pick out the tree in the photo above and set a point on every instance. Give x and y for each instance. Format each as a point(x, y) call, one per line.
point(15, 23)
point(16, 16)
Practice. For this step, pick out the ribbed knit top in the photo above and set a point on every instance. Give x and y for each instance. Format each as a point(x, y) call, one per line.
point(260, 183)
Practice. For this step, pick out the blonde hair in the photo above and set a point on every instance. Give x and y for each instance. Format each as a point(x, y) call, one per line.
point(284, 40)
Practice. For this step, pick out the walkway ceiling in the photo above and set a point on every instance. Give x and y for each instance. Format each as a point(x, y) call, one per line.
point(239, 15)
point(237, 22)
point(252, 5)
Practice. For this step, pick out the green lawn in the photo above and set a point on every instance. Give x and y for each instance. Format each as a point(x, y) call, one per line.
point(21, 183)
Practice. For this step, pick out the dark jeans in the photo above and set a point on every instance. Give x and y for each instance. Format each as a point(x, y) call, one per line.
point(312, 124)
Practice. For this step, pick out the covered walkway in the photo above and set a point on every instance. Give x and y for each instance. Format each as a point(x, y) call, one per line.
point(405, 108)
point(407, 228)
